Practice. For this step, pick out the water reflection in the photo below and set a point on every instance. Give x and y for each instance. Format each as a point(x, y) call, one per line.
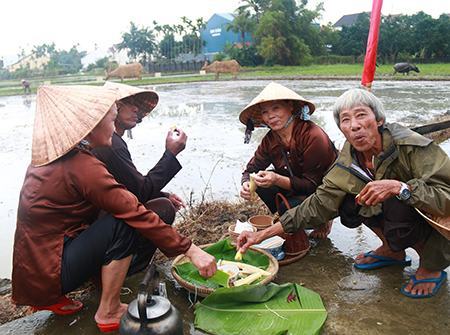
point(215, 154)
point(367, 303)
point(26, 99)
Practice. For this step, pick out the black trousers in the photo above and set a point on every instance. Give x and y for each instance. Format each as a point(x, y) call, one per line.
point(108, 239)
point(267, 195)
point(401, 225)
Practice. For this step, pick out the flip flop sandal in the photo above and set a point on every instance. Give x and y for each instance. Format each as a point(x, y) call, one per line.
point(108, 327)
point(58, 307)
point(438, 281)
point(382, 261)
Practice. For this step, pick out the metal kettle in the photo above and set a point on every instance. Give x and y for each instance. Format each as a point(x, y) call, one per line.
point(151, 314)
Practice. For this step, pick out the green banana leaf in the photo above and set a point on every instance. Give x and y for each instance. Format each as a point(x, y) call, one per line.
point(220, 250)
point(263, 309)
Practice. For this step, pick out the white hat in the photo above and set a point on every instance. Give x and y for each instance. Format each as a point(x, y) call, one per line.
point(64, 116)
point(271, 92)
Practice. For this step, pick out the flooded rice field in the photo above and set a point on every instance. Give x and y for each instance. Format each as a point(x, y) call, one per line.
point(357, 302)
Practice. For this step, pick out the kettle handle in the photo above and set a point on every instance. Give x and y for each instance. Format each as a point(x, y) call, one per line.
point(142, 299)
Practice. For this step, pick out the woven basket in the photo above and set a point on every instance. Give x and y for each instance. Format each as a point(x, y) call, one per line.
point(233, 234)
point(204, 291)
point(289, 259)
point(441, 224)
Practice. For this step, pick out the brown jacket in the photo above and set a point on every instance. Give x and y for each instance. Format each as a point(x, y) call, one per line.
point(310, 154)
point(62, 199)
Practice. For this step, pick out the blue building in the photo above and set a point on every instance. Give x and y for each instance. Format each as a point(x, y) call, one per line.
point(216, 36)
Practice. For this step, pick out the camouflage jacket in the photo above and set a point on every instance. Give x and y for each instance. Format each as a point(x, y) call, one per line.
point(407, 157)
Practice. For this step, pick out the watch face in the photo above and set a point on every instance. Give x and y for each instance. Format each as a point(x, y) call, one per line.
point(405, 194)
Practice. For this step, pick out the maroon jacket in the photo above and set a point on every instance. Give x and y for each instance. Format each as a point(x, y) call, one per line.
point(62, 199)
point(310, 154)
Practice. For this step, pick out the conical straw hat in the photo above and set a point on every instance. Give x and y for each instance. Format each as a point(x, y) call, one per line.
point(271, 92)
point(64, 116)
point(144, 99)
point(441, 224)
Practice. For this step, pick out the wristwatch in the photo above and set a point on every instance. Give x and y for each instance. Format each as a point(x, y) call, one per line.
point(404, 193)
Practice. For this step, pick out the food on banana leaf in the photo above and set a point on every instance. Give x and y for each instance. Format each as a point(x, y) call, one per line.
point(248, 280)
point(245, 267)
point(225, 252)
point(238, 256)
point(246, 273)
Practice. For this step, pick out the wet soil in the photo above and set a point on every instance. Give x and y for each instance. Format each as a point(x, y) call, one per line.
point(358, 302)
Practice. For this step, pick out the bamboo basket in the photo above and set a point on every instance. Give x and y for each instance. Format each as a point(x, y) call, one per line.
point(205, 291)
point(234, 235)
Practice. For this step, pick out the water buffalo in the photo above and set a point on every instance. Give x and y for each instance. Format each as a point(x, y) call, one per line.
point(405, 68)
point(226, 66)
point(133, 70)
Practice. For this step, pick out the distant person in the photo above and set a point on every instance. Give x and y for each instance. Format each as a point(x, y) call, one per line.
point(26, 86)
point(135, 105)
point(59, 241)
point(298, 149)
point(383, 173)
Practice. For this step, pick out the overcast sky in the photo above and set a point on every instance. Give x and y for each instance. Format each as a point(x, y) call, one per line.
point(26, 23)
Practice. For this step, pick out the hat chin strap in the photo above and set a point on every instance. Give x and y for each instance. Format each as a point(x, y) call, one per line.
point(289, 121)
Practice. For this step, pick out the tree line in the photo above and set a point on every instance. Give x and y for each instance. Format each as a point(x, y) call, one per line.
point(283, 32)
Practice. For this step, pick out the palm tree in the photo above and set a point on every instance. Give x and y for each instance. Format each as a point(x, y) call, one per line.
point(258, 7)
point(242, 23)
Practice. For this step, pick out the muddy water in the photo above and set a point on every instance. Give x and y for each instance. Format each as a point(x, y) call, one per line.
point(358, 302)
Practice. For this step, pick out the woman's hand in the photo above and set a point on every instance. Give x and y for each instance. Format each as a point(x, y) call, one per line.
point(245, 191)
point(204, 262)
point(266, 178)
point(378, 191)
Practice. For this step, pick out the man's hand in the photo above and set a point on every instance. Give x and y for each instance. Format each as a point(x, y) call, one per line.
point(204, 262)
point(176, 201)
point(245, 191)
point(378, 191)
point(266, 178)
point(246, 239)
point(176, 140)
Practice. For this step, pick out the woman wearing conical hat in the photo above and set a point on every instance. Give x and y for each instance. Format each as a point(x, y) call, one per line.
point(59, 242)
point(299, 150)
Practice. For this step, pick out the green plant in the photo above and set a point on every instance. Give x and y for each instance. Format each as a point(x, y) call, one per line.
point(220, 56)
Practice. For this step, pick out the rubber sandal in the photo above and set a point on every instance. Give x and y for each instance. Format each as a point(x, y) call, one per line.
point(382, 262)
point(438, 281)
point(108, 327)
point(58, 307)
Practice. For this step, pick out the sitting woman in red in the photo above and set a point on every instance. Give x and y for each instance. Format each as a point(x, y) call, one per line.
point(60, 242)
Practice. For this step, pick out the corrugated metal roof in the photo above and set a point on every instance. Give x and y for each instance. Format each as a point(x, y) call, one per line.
point(228, 16)
point(347, 20)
